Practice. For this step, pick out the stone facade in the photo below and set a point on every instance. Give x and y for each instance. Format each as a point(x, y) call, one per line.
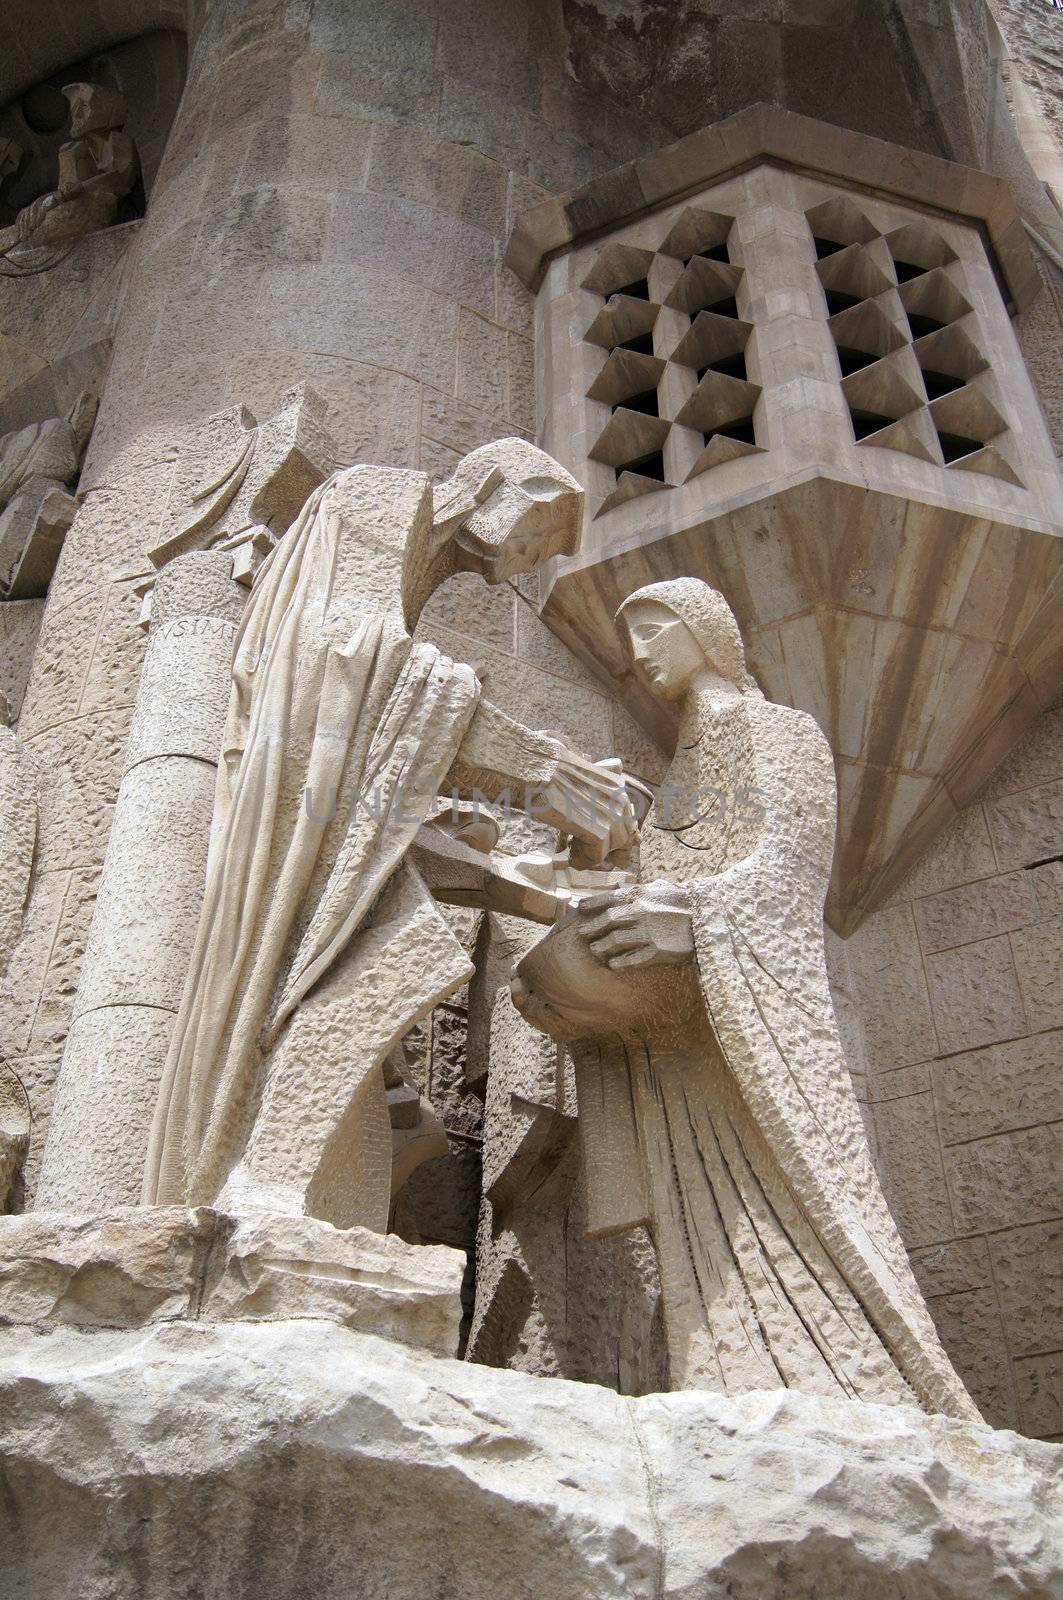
point(393, 234)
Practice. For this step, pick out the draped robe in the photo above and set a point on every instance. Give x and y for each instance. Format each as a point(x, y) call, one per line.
point(340, 730)
point(738, 1138)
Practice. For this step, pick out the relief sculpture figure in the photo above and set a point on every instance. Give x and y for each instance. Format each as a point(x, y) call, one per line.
point(98, 167)
point(714, 1099)
point(319, 944)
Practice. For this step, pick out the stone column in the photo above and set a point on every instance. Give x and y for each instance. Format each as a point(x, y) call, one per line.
point(150, 892)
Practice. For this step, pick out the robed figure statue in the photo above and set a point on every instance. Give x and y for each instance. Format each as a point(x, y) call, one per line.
point(714, 1099)
point(319, 945)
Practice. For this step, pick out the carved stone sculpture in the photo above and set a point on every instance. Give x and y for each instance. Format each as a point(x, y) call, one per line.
point(38, 465)
point(713, 1093)
point(97, 169)
point(319, 945)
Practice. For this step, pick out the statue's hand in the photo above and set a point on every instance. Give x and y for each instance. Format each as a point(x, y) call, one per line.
point(644, 926)
point(589, 800)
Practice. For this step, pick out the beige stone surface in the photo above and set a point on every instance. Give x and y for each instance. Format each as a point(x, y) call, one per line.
point(140, 1265)
point(20, 624)
point(913, 1176)
point(1025, 827)
point(1038, 952)
point(975, 994)
point(18, 830)
point(1013, 1085)
point(1028, 1270)
point(1008, 1179)
point(345, 1437)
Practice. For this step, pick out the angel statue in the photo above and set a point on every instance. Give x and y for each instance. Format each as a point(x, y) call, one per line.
point(319, 944)
point(714, 1099)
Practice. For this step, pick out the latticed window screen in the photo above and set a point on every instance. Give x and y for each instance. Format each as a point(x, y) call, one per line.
point(680, 380)
point(693, 277)
point(908, 343)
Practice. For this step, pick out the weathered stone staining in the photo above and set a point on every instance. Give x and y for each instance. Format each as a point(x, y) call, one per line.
point(97, 168)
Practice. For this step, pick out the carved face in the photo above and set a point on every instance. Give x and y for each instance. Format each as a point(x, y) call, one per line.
point(93, 108)
point(663, 648)
point(509, 508)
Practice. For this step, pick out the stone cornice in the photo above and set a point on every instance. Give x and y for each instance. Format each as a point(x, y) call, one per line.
point(767, 133)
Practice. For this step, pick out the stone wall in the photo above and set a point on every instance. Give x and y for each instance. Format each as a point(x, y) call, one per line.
point(958, 986)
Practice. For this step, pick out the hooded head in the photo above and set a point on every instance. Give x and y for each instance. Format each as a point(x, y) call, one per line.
point(676, 627)
point(508, 508)
point(94, 108)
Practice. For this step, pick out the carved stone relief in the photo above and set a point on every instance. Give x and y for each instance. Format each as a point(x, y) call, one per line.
point(39, 465)
point(98, 167)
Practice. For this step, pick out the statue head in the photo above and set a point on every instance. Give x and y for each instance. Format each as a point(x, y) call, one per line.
point(94, 108)
point(678, 629)
point(508, 508)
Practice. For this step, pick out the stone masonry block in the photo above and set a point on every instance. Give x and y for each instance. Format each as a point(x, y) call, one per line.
point(1028, 1269)
point(975, 994)
point(911, 1168)
point(424, 245)
point(1039, 1381)
point(889, 986)
point(1027, 826)
point(482, 355)
point(970, 1329)
point(975, 911)
point(1012, 1085)
point(1008, 1180)
point(1038, 952)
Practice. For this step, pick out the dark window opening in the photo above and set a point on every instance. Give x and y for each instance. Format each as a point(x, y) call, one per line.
point(851, 360)
point(642, 344)
point(640, 290)
point(837, 301)
point(826, 247)
point(715, 252)
point(731, 366)
point(867, 422)
point(651, 466)
point(720, 308)
point(907, 269)
point(742, 429)
point(646, 402)
point(921, 326)
point(939, 383)
point(954, 446)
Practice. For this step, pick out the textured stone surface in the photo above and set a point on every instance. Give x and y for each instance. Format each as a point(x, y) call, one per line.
point(18, 830)
point(140, 1265)
point(1006, 1180)
point(1010, 1085)
point(20, 623)
point(975, 995)
point(377, 1463)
